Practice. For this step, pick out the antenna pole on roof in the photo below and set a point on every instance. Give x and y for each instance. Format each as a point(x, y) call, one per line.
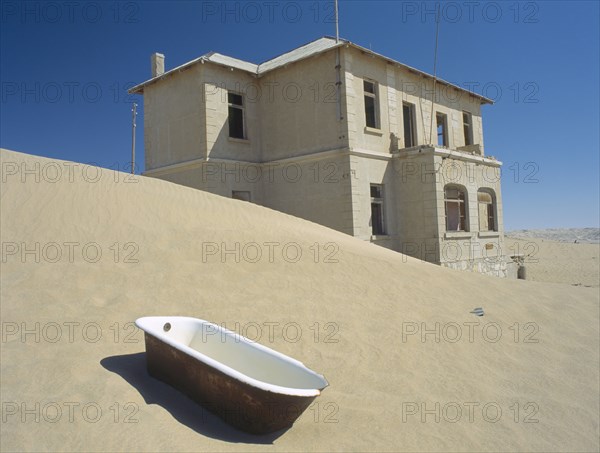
point(133, 115)
point(437, 30)
point(337, 23)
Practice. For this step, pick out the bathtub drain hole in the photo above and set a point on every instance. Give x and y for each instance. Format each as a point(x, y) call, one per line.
point(167, 327)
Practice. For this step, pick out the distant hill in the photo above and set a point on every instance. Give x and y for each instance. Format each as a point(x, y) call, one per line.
point(587, 235)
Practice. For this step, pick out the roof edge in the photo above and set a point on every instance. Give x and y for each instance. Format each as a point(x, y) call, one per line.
point(139, 89)
point(423, 73)
point(300, 46)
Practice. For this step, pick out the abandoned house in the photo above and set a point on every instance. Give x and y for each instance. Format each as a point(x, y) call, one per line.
point(337, 134)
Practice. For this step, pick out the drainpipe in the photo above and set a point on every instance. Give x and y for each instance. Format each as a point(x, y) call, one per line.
point(338, 77)
point(338, 84)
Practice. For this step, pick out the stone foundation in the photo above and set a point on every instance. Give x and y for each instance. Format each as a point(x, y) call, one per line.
point(504, 268)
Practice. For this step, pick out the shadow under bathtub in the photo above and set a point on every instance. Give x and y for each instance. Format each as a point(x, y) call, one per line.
point(132, 368)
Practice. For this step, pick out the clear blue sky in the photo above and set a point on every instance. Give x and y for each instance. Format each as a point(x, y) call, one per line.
point(65, 67)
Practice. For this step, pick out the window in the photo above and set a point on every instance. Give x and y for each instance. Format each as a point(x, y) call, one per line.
point(236, 115)
point(442, 129)
point(240, 195)
point(377, 218)
point(455, 202)
point(408, 112)
point(371, 104)
point(487, 218)
point(468, 128)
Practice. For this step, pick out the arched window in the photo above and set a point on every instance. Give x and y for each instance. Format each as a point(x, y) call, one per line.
point(455, 201)
point(486, 201)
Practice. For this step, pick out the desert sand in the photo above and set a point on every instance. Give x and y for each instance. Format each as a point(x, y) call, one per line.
point(86, 252)
point(558, 262)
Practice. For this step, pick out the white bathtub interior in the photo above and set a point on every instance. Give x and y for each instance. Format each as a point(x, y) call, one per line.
point(234, 352)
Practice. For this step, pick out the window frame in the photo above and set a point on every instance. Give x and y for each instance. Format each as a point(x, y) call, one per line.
point(491, 210)
point(463, 208)
point(468, 128)
point(444, 133)
point(412, 117)
point(375, 97)
point(234, 192)
point(380, 201)
point(242, 108)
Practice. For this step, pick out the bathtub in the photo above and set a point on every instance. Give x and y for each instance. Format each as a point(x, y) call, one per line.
point(251, 387)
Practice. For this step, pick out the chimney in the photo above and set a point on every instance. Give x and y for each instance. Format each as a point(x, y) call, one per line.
point(157, 64)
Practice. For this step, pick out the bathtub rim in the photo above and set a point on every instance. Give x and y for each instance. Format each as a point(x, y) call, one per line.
point(144, 324)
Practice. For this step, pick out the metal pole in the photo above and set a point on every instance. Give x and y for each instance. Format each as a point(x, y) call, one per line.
point(133, 115)
point(338, 66)
point(337, 24)
point(437, 29)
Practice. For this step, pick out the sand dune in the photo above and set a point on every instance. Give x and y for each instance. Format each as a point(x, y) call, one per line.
point(108, 251)
point(579, 235)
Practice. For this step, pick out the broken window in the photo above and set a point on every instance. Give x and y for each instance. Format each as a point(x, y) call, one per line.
point(243, 195)
point(371, 104)
point(455, 202)
point(442, 129)
point(236, 115)
point(487, 218)
point(408, 112)
point(377, 217)
point(468, 128)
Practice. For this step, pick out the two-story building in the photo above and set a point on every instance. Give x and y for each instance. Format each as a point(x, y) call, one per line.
point(337, 134)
